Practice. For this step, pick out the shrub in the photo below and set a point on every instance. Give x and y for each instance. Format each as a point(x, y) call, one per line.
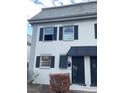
point(59, 83)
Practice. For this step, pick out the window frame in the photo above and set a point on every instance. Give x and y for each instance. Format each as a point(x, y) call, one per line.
point(64, 33)
point(41, 66)
point(44, 33)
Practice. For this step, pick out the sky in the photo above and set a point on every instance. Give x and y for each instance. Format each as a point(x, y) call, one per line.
point(32, 9)
point(35, 6)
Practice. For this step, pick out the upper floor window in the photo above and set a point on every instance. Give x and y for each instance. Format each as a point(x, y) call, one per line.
point(48, 34)
point(68, 32)
point(65, 33)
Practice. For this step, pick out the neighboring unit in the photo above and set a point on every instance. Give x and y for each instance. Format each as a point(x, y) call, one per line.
point(28, 47)
point(28, 53)
point(64, 40)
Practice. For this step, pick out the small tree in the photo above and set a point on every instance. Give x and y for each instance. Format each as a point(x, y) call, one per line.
point(35, 75)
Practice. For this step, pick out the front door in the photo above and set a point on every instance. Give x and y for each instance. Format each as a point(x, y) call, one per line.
point(78, 70)
point(93, 67)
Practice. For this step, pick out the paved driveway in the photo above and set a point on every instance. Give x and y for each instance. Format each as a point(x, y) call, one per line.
point(45, 89)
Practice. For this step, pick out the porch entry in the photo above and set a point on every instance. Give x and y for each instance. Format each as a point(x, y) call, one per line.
point(78, 75)
point(93, 70)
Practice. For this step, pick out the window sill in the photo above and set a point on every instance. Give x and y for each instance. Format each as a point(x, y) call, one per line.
point(44, 67)
point(48, 41)
point(67, 40)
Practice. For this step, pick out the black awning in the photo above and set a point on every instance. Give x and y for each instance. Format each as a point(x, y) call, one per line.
point(83, 51)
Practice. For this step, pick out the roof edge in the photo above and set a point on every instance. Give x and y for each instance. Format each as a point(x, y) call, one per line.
point(63, 19)
point(71, 16)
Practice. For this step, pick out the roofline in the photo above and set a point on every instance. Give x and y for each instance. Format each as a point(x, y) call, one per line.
point(63, 17)
point(69, 18)
point(87, 2)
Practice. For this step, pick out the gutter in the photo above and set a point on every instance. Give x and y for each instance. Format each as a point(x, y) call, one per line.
point(67, 18)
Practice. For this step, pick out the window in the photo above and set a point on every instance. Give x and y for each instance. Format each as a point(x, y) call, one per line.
point(48, 33)
point(45, 61)
point(68, 33)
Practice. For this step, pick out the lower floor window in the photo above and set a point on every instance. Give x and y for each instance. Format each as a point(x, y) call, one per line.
point(45, 61)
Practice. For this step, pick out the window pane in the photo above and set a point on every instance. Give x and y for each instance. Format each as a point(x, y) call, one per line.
point(48, 37)
point(48, 30)
point(45, 58)
point(68, 33)
point(46, 61)
point(68, 30)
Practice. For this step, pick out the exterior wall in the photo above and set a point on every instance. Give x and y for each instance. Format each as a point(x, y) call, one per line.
point(28, 46)
point(56, 48)
point(28, 52)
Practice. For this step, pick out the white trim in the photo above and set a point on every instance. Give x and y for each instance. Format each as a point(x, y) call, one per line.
point(70, 68)
point(87, 70)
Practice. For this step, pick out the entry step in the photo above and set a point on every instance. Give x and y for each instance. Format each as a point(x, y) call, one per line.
point(83, 88)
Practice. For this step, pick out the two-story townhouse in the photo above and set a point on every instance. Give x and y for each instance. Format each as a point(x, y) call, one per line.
point(64, 40)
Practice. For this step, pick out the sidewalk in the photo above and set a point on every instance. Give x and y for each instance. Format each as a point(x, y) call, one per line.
point(35, 88)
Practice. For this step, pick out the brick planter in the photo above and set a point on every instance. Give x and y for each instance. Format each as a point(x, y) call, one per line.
point(59, 83)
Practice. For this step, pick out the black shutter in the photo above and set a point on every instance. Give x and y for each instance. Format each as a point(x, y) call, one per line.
point(55, 33)
point(61, 33)
point(95, 28)
point(37, 61)
point(63, 63)
point(52, 61)
point(76, 32)
point(41, 34)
